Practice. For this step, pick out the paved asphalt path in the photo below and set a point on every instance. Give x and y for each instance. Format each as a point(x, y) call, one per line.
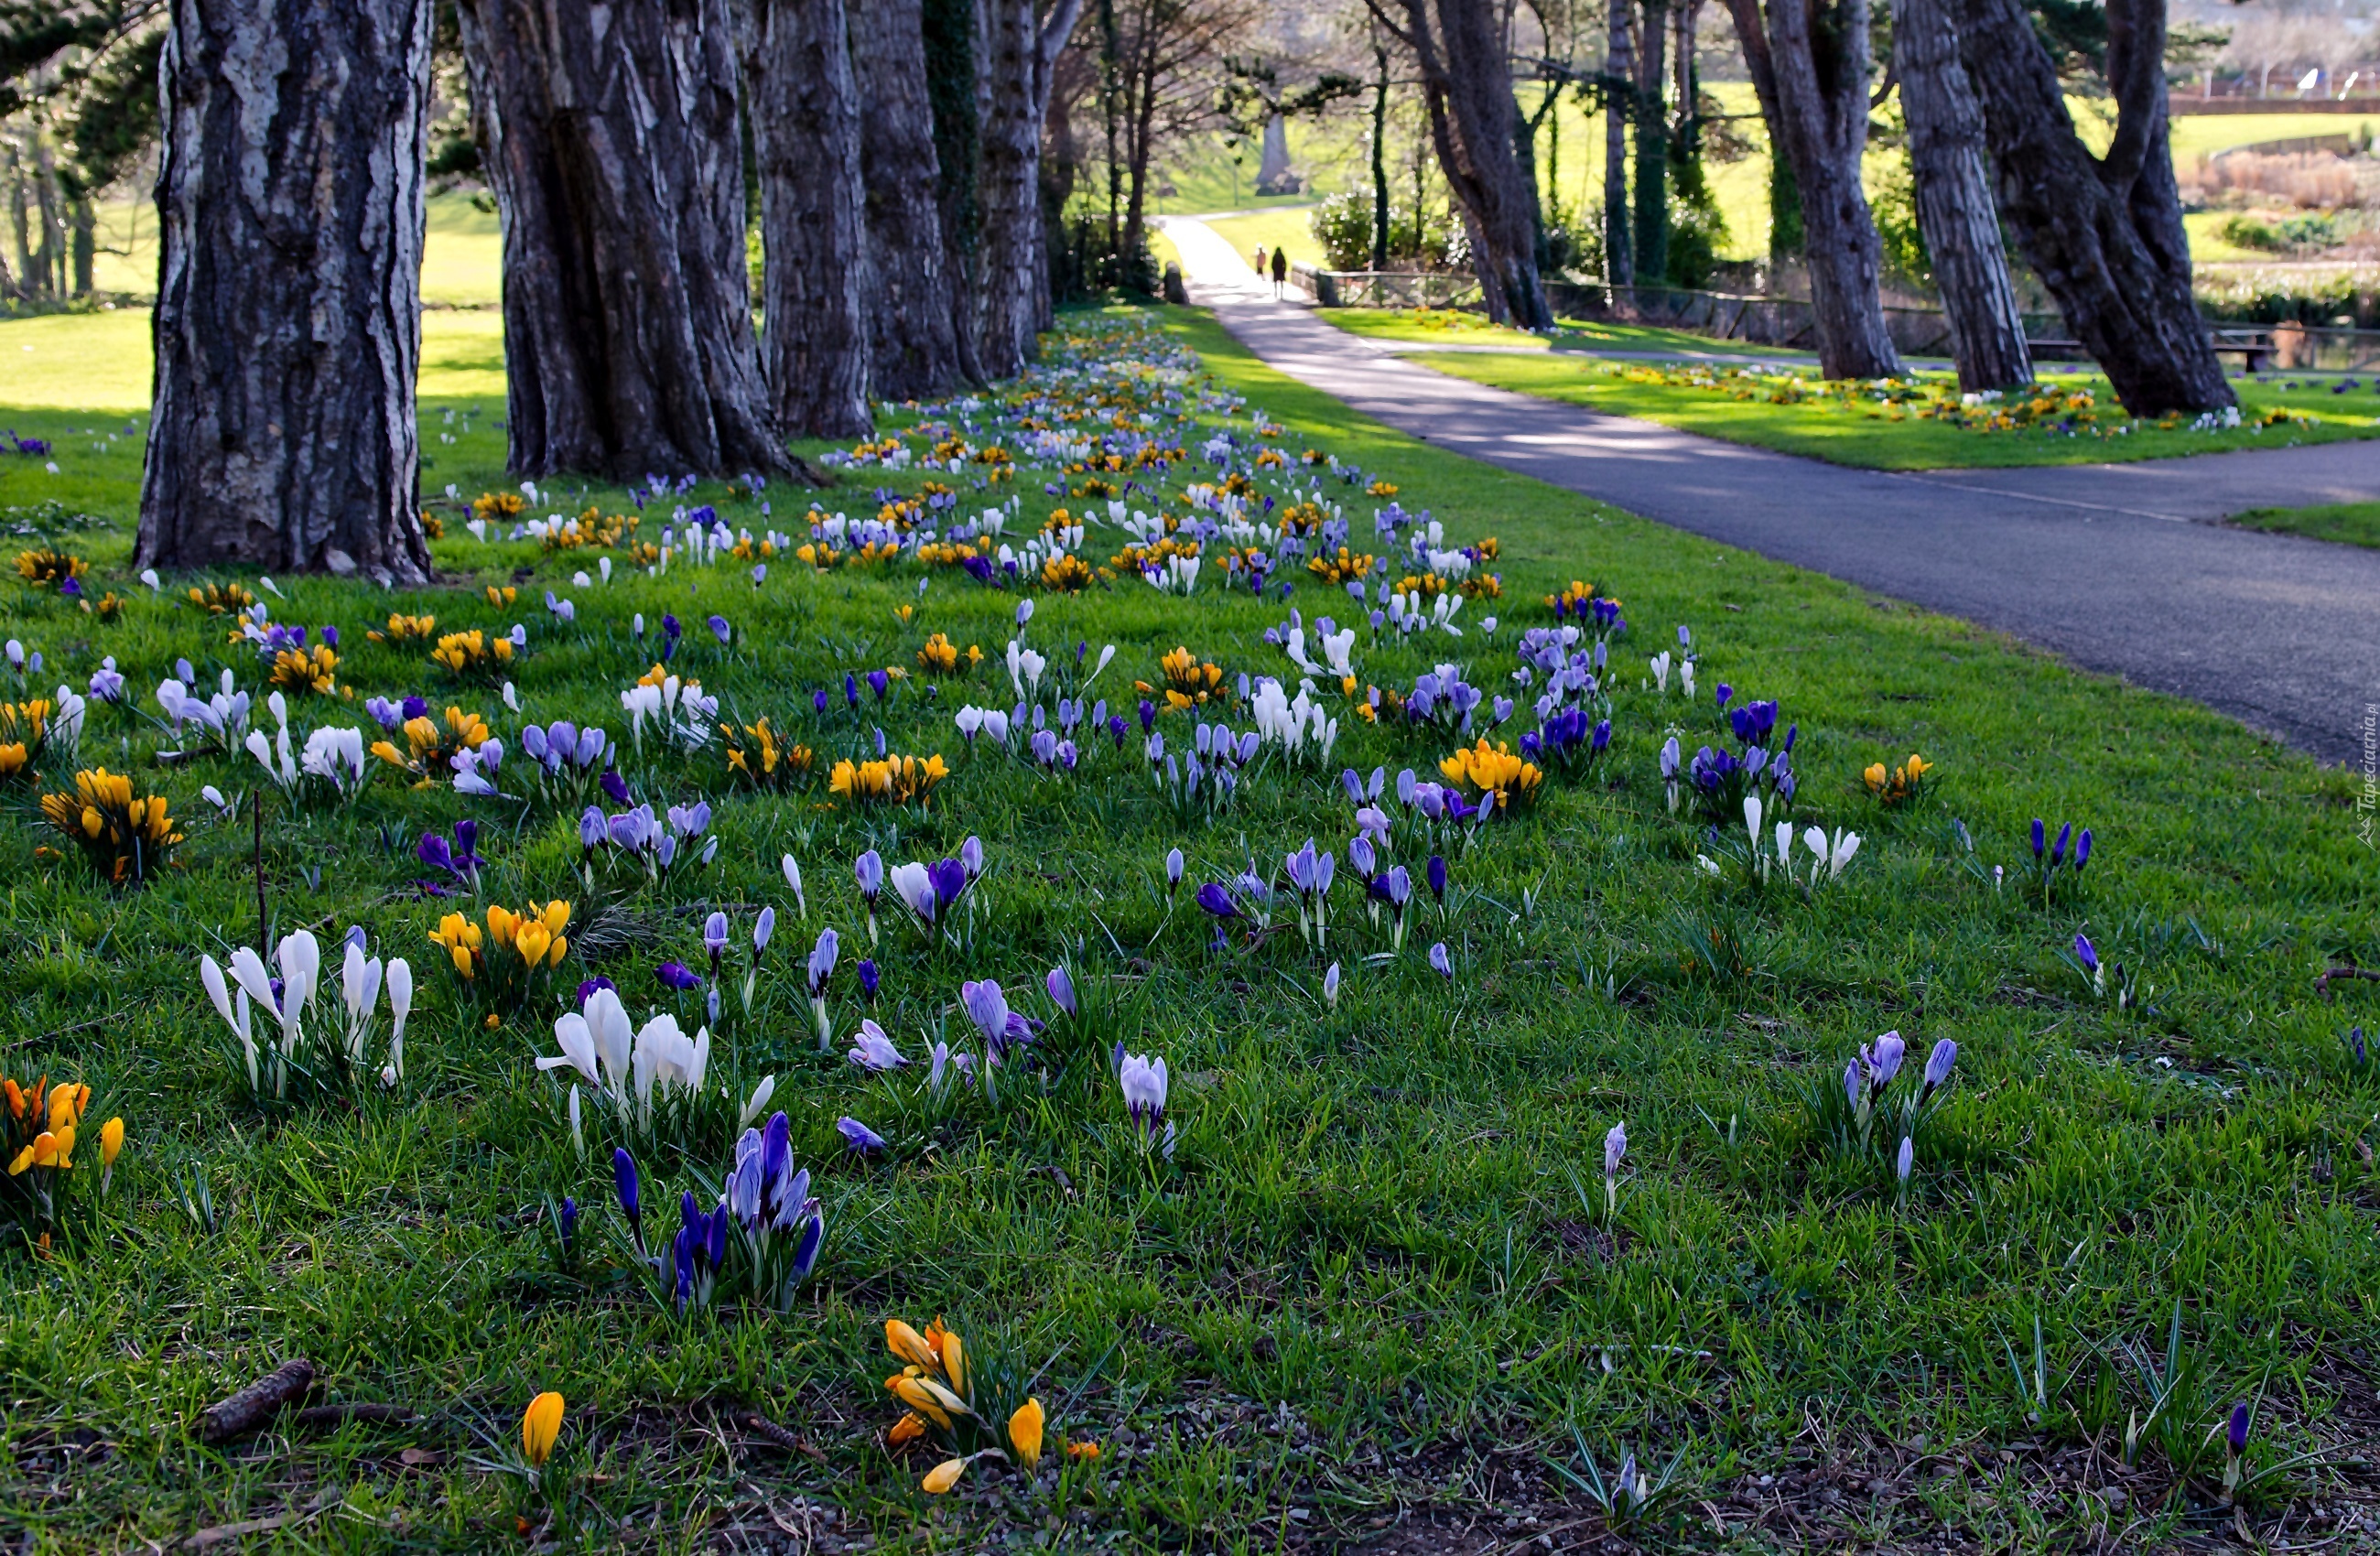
point(2113, 566)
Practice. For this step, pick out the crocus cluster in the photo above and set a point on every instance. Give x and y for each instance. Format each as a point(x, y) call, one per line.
point(1720, 779)
point(39, 1131)
point(658, 843)
point(948, 1397)
point(1876, 1115)
point(932, 890)
point(271, 1060)
point(649, 1078)
point(2058, 866)
point(566, 757)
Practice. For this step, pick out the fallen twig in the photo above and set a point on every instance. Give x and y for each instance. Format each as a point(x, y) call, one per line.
point(792, 1443)
point(2349, 971)
point(249, 1409)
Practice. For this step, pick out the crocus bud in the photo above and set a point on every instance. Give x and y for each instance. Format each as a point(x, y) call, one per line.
point(1330, 986)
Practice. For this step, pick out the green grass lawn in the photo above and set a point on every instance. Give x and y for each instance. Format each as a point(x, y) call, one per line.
point(1867, 434)
point(2354, 524)
point(1378, 1276)
point(1291, 227)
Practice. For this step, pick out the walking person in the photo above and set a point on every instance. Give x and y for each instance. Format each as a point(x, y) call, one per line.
point(1260, 262)
point(1280, 270)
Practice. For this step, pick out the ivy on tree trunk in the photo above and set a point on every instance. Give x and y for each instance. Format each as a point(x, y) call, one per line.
point(610, 139)
point(2104, 233)
point(287, 328)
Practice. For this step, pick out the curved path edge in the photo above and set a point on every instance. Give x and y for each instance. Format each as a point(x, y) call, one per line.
point(2101, 564)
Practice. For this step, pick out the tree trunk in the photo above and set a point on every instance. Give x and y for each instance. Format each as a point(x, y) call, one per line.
point(914, 344)
point(1379, 158)
point(1273, 174)
point(83, 228)
point(610, 138)
point(1652, 147)
point(287, 327)
point(805, 114)
point(1008, 190)
point(1809, 66)
point(1466, 86)
point(1051, 37)
point(1784, 215)
point(953, 47)
point(1954, 199)
point(2104, 234)
point(1618, 100)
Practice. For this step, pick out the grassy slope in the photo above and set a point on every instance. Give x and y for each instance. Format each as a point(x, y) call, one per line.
point(2354, 524)
point(1377, 1228)
point(1291, 227)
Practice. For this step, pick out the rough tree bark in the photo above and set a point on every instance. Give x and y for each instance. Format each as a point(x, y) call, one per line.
point(287, 329)
point(914, 344)
point(1652, 146)
point(610, 138)
point(1466, 85)
point(1954, 199)
point(1049, 42)
point(804, 108)
point(1618, 100)
point(2103, 233)
point(1007, 189)
point(954, 45)
point(1809, 65)
point(1379, 157)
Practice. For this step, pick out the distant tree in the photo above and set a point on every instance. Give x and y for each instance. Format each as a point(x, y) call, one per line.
point(287, 328)
point(804, 109)
point(1467, 91)
point(1810, 65)
point(1955, 211)
point(2103, 232)
point(914, 333)
point(610, 138)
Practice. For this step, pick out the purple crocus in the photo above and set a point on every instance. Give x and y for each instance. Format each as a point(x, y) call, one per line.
point(858, 1137)
point(1173, 866)
point(1938, 1063)
point(822, 955)
point(1217, 900)
point(1061, 985)
point(589, 988)
point(2236, 1434)
point(720, 630)
point(679, 977)
point(1437, 872)
point(868, 980)
point(616, 788)
point(2085, 954)
point(624, 1182)
point(1443, 962)
point(2083, 849)
point(2038, 836)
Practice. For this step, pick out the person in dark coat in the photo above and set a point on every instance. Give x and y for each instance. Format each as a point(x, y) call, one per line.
point(1280, 270)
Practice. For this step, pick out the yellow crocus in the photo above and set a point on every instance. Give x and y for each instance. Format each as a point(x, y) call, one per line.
point(914, 1394)
point(909, 1345)
point(1024, 1432)
point(955, 1363)
point(944, 1476)
point(110, 1146)
point(532, 941)
point(540, 1424)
